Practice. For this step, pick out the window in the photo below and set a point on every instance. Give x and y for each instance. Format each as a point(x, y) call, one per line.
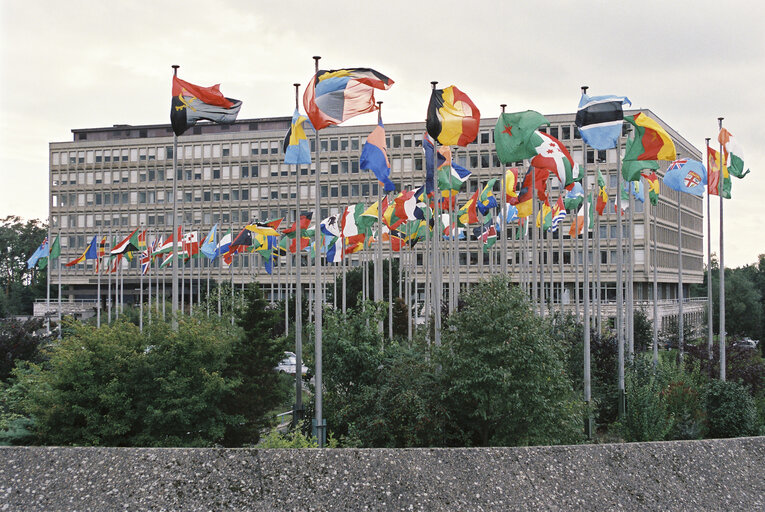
point(565, 132)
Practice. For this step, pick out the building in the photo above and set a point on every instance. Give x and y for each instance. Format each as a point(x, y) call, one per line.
point(109, 181)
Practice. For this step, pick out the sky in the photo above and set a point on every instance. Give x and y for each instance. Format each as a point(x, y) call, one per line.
point(88, 64)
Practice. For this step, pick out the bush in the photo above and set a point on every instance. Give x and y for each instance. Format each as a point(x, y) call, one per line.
point(731, 410)
point(646, 417)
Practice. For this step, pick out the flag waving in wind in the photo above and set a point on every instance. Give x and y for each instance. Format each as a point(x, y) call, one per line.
point(297, 150)
point(600, 119)
point(90, 253)
point(192, 103)
point(337, 95)
point(374, 157)
point(686, 175)
point(453, 118)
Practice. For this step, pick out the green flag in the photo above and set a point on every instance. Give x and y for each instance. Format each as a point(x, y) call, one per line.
point(55, 252)
point(513, 132)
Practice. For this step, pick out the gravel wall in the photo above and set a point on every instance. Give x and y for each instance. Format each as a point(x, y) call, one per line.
point(684, 475)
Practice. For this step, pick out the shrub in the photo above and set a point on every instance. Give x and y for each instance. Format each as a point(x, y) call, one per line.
point(730, 409)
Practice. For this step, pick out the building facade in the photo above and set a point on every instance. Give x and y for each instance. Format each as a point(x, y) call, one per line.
point(109, 181)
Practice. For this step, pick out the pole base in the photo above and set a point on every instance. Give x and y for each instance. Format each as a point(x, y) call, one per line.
point(320, 432)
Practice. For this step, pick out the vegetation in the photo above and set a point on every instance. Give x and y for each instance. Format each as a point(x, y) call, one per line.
point(19, 286)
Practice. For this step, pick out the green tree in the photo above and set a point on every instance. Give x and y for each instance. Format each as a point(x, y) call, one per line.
point(20, 286)
point(250, 366)
point(504, 378)
point(731, 410)
point(646, 417)
point(21, 341)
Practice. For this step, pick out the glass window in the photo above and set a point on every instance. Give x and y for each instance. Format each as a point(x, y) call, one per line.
point(565, 132)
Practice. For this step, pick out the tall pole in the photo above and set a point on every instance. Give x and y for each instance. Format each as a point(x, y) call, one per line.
point(437, 284)
point(585, 251)
point(599, 324)
point(378, 245)
point(140, 280)
point(99, 262)
point(630, 285)
point(298, 412)
point(680, 319)
point(390, 290)
point(502, 208)
point(721, 181)
point(655, 293)
point(58, 272)
point(619, 290)
point(320, 428)
point(109, 280)
point(534, 295)
point(174, 292)
point(710, 321)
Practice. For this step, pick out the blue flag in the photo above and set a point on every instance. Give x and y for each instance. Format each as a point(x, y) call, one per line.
point(686, 175)
point(600, 120)
point(297, 150)
point(41, 252)
point(210, 244)
point(374, 157)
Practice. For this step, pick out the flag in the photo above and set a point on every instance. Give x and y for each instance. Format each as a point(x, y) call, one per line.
point(90, 253)
point(354, 238)
point(638, 191)
point(428, 146)
point(40, 252)
point(489, 237)
point(224, 244)
point(734, 155)
point(167, 246)
point(511, 179)
point(577, 224)
point(374, 157)
point(190, 244)
point(305, 221)
point(468, 213)
point(337, 95)
point(553, 156)
point(558, 214)
point(544, 217)
point(297, 150)
point(146, 257)
point(513, 132)
point(403, 208)
point(262, 228)
point(101, 253)
point(192, 103)
point(55, 252)
point(649, 142)
point(242, 240)
point(525, 197)
point(600, 119)
point(211, 241)
point(127, 245)
point(511, 213)
point(714, 162)
point(685, 175)
point(653, 187)
point(487, 201)
point(453, 118)
point(451, 176)
point(602, 200)
point(574, 196)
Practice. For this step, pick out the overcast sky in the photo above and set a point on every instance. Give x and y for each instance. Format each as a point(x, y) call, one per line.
point(84, 64)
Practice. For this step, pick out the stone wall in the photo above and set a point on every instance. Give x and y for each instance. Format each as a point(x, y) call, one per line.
point(684, 475)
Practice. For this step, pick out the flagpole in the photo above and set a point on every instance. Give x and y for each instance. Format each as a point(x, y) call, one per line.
point(680, 319)
point(150, 255)
point(560, 260)
point(320, 426)
point(575, 263)
point(534, 295)
point(378, 274)
point(619, 284)
point(710, 320)
point(390, 289)
point(98, 280)
point(586, 307)
point(598, 289)
point(174, 292)
point(437, 277)
point(721, 183)
point(343, 262)
point(452, 249)
point(630, 276)
point(58, 267)
point(655, 292)
point(140, 280)
point(47, 272)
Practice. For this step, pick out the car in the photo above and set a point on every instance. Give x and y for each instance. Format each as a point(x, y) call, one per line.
point(287, 365)
point(746, 343)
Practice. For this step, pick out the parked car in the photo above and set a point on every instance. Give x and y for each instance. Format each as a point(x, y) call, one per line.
point(287, 365)
point(746, 343)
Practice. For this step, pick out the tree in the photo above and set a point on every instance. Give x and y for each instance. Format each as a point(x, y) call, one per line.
point(20, 341)
point(250, 366)
point(20, 286)
point(504, 378)
point(730, 410)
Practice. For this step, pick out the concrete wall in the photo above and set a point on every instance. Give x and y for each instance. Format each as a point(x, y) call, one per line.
point(687, 475)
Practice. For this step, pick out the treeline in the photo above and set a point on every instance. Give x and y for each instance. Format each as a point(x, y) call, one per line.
point(503, 376)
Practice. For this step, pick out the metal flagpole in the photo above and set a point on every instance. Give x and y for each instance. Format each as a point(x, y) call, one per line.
point(680, 319)
point(503, 207)
point(174, 292)
point(574, 257)
point(390, 290)
point(320, 426)
point(109, 280)
point(140, 280)
point(619, 264)
point(98, 280)
point(630, 275)
point(58, 268)
point(534, 296)
point(151, 257)
point(437, 278)
point(655, 294)
point(297, 414)
point(560, 262)
point(344, 263)
point(721, 182)
point(586, 306)
point(209, 267)
point(710, 320)
point(378, 274)
point(598, 289)
point(183, 278)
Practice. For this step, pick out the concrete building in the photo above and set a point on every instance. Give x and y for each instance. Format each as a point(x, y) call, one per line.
point(108, 181)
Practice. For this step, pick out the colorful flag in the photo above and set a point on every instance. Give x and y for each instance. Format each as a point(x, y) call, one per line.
point(489, 237)
point(574, 196)
point(374, 157)
point(262, 228)
point(190, 244)
point(653, 187)
point(577, 224)
point(101, 253)
point(192, 103)
point(90, 253)
point(649, 142)
point(297, 150)
point(428, 146)
point(354, 238)
point(241, 242)
point(224, 244)
point(600, 119)
point(553, 156)
point(468, 214)
point(127, 245)
point(55, 252)
point(487, 201)
point(337, 95)
point(40, 252)
point(512, 135)
point(511, 180)
point(453, 118)
point(602, 200)
point(558, 214)
point(632, 169)
point(714, 162)
point(685, 175)
point(525, 197)
point(146, 257)
point(544, 217)
point(305, 222)
point(734, 155)
point(210, 243)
